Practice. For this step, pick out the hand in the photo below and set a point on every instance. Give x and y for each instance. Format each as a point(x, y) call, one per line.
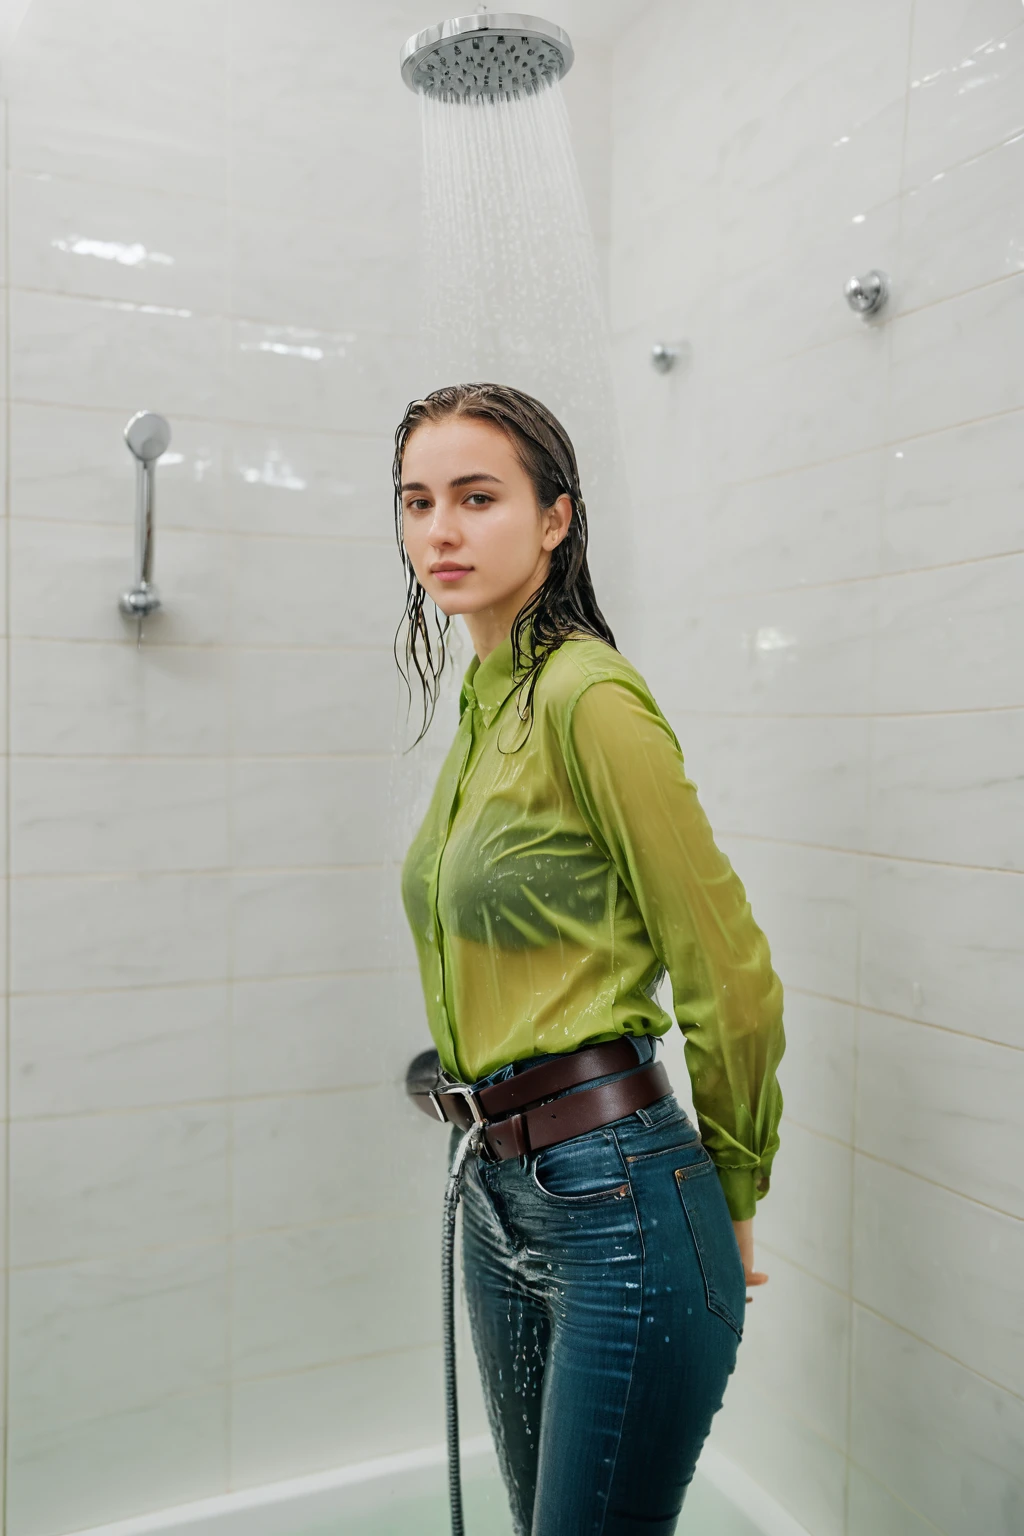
point(745, 1238)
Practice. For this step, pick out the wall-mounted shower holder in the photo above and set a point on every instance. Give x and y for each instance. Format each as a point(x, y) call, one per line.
point(148, 435)
point(867, 294)
point(666, 355)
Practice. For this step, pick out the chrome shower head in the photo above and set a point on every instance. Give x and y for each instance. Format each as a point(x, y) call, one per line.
point(485, 56)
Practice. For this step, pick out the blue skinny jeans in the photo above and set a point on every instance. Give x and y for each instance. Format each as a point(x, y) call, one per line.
point(606, 1297)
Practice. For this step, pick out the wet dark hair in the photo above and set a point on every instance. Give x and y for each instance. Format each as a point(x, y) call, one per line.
point(565, 603)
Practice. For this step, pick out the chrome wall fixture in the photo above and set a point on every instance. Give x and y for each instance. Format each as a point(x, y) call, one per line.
point(665, 355)
point(148, 436)
point(867, 294)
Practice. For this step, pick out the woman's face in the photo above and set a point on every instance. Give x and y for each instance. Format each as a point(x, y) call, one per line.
point(470, 521)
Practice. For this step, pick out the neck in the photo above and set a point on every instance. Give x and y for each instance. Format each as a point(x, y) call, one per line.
point(488, 627)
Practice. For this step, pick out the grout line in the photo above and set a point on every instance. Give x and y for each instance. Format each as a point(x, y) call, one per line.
point(873, 577)
point(6, 1310)
point(869, 854)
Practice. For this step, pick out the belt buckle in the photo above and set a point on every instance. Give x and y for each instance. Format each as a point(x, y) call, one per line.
point(465, 1091)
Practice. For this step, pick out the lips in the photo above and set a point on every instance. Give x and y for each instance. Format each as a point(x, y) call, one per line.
point(449, 572)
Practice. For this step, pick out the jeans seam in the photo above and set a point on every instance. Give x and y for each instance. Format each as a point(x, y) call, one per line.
point(636, 1340)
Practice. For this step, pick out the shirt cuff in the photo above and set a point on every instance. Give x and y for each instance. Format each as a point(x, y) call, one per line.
point(742, 1187)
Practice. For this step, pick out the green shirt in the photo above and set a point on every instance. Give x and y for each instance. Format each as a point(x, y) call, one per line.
point(564, 865)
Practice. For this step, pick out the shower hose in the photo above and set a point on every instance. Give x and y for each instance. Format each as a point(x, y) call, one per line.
point(466, 1147)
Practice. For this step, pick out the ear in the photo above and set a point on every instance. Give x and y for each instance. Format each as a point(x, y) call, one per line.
point(557, 518)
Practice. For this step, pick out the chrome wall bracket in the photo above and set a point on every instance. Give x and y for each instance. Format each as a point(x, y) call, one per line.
point(148, 436)
point(867, 294)
point(665, 355)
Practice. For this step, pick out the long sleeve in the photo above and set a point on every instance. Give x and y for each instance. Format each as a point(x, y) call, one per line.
point(628, 777)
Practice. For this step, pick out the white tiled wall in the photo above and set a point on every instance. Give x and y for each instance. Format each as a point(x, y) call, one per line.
point(828, 523)
point(223, 1215)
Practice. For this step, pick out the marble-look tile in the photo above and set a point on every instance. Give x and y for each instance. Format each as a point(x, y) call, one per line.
point(967, 69)
point(826, 402)
point(816, 1073)
point(115, 1466)
point(791, 652)
point(377, 1405)
point(315, 269)
point(73, 465)
point(82, 1052)
point(805, 1216)
point(327, 1157)
point(314, 592)
point(942, 945)
point(303, 1034)
point(67, 697)
point(954, 495)
point(942, 1105)
point(301, 376)
point(309, 811)
point(315, 701)
point(115, 1335)
point(955, 361)
point(949, 639)
point(941, 1266)
point(807, 900)
point(92, 1186)
point(798, 780)
point(291, 922)
point(104, 241)
point(325, 484)
point(67, 579)
point(105, 815)
point(116, 353)
point(796, 1346)
point(874, 1511)
point(101, 931)
point(785, 1454)
point(963, 226)
point(922, 766)
point(311, 1295)
point(947, 1443)
point(809, 526)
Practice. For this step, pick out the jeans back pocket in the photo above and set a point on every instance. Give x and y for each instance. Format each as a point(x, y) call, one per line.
point(725, 1282)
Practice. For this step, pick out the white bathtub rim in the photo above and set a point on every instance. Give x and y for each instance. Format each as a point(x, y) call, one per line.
point(315, 1496)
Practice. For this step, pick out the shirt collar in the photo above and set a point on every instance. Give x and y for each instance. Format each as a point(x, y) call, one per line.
point(489, 683)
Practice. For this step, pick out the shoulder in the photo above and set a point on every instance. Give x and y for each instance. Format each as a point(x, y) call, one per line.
point(577, 664)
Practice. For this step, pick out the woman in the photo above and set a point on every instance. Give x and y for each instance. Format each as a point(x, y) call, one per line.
point(563, 867)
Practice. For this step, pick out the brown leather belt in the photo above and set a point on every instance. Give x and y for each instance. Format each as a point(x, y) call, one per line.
point(522, 1114)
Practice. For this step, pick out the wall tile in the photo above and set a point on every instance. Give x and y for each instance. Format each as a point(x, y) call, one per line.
point(104, 241)
point(943, 1105)
point(326, 484)
point(967, 64)
point(310, 1295)
point(92, 1186)
point(287, 922)
point(278, 700)
point(312, 1033)
point(116, 353)
point(91, 816)
point(948, 639)
point(923, 765)
point(942, 1267)
point(288, 812)
point(117, 930)
point(945, 1442)
point(70, 697)
point(301, 376)
point(874, 1511)
point(983, 331)
point(942, 945)
point(314, 592)
point(954, 495)
point(316, 1158)
point(78, 1052)
point(805, 1216)
point(817, 1070)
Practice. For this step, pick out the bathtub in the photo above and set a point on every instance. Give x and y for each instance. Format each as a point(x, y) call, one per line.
point(405, 1495)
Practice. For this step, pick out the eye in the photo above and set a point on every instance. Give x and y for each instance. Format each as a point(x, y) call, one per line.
point(417, 504)
point(479, 498)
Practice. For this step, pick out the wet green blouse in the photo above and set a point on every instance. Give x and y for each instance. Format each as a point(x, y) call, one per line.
point(564, 865)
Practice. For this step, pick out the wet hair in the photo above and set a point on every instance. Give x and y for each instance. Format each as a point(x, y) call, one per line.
point(565, 603)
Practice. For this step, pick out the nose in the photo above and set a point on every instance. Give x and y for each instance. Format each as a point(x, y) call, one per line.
point(444, 528)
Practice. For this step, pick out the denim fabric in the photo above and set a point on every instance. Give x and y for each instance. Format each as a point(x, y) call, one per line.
point(606, 1296)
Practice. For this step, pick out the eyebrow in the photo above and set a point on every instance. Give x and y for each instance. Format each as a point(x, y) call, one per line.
point(417, 485)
